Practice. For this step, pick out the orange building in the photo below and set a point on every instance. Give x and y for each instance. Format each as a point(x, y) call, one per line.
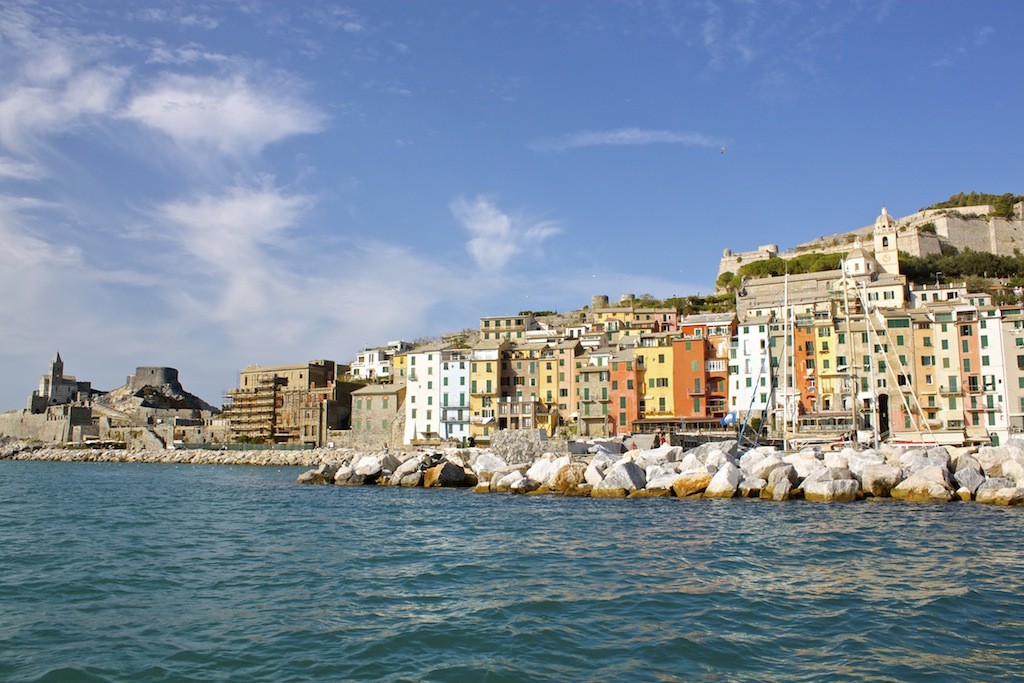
point(626, 381)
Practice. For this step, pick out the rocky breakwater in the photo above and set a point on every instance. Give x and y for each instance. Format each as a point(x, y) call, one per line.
point(717, 470)
point(17, 450)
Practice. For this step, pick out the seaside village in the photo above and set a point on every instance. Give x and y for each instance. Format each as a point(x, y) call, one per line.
point(855, 360)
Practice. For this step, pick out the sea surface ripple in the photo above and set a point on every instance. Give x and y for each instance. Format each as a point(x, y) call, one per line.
point(131, 572)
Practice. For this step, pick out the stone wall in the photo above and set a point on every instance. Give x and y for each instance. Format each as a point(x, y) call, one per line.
point(58, 424)
point(368, 441)
point(138, 438)
point(517, 446)
point(731, 261)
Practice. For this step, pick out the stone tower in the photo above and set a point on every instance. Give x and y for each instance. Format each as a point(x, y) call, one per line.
point(886, 250)
point(56, 369)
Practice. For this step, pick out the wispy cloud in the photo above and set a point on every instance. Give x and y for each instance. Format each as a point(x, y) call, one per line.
point(624, 137)
point(13, 169)
point(232, 116)
point(496, 237)
point(52, 82)
point(233, 234)
point(978, 39)
point(179, 15)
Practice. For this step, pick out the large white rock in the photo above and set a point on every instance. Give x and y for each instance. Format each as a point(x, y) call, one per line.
point(804, 463)
point(725, 482)
point(782, 490)
point(749, 459)
point(406, 468)
point(663, 481)
point(764, 467)
point(751, 487)
point(488, 462)
point(856, 462)
point(623, 475)
point(690, 461)
point(655, 456)
point(674, 453)
point(344, 475)
point(785, 471)
point(544, 469)
point(656, 471)
point(880, 478)
point(928, 484)
point(368, 466)
point(1013, 470)
point(995, 483)
point(834, 460)
point(1004, 496)
point(509, 480)
point(597, 467)
point(718, 458)
point(692, 481)
point(991, 459)
point(836, 490)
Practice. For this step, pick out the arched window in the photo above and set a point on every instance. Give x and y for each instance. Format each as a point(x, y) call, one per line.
point(885, 242)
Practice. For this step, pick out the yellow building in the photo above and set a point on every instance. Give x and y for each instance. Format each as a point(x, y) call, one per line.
point(830, 380)
point(656, 401)
point(484, 387)
point(399, 365)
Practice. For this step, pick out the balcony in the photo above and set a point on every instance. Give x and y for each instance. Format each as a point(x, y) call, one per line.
point(950, 391)
point(696, 392)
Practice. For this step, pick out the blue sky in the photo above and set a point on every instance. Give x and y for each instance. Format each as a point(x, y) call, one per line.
point(209, 185)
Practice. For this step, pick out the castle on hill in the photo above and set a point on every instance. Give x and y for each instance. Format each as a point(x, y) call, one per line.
point(919, 234)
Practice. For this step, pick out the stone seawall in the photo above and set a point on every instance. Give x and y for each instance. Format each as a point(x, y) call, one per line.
point(311, 458)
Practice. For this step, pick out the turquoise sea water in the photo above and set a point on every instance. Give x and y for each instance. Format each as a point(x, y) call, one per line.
point(117, 572)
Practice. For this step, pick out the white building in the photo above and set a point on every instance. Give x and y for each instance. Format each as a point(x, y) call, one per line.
point(455, 394)
point(375, 365)
point(423, 394)
point(750, 368)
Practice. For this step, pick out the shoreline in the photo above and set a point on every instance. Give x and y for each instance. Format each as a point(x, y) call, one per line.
point(988, 474)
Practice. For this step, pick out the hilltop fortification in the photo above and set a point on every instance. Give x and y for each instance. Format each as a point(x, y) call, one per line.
point(920, 234)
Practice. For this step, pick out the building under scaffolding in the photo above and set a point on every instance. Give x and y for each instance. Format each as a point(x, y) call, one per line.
point(288, 403)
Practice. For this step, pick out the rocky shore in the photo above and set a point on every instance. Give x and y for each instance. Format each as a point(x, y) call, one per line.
point(989, 474)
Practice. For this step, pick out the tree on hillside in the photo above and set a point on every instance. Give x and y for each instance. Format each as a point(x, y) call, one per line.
point(1002, 203)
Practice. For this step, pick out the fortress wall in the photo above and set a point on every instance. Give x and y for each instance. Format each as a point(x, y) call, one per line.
point(963, 233)
point(731, 262)
point(1007, 236)
point(56, 425)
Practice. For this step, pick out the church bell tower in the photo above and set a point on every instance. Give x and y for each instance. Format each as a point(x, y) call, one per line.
point(886, 250)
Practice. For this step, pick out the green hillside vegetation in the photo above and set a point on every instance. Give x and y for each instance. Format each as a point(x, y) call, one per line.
point(688, 305)
point(959, 265)
point(804, 263)
point(1003, 203)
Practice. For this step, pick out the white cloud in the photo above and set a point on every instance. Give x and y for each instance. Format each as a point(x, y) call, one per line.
point(496, 237)
point(186, 54)
point(20, 170)
point(233, 234)
point(230, 115)
point(176, 15)
point(624, 137)
point(52, 82)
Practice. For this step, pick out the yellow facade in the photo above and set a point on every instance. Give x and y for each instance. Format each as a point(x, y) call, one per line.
point(830, 382)
point(484, 389)
point(399, 364)
point(657, 381)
